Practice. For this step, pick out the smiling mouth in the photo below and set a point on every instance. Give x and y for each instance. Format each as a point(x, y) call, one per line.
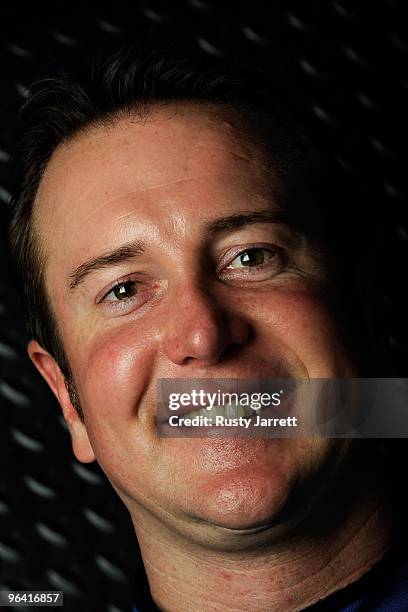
point(229, 411)
point(234, 399)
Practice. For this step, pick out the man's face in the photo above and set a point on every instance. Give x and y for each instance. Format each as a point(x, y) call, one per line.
point(185, 304)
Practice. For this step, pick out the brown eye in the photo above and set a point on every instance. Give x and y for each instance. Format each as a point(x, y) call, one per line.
point(251, 257)
point(123, 291)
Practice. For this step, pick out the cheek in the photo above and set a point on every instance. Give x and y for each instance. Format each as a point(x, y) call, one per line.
point(303, 325)
point(112, 377)
point(114, 373)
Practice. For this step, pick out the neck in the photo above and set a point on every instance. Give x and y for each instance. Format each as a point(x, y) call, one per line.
point(301, 569)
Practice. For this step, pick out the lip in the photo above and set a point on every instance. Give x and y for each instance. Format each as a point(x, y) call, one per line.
point(163, 414)
point(239, 385)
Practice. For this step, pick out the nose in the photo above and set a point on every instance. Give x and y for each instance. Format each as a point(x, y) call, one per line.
point(200, 331)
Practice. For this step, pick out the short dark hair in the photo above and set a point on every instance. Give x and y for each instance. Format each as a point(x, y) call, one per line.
point(59, 107)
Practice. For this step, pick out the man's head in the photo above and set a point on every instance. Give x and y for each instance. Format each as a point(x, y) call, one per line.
point(167, 226)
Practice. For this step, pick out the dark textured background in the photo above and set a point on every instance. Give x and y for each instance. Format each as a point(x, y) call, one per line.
point(61, 525)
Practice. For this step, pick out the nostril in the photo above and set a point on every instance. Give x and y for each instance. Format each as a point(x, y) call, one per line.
point(189, 360)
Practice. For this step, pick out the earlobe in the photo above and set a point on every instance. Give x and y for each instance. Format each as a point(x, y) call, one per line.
point(50, 371)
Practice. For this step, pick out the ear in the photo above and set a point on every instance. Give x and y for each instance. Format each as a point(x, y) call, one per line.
point(50, 371)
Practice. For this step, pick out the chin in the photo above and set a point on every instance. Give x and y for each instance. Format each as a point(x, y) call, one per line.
point(229, 486)
point(246, 501)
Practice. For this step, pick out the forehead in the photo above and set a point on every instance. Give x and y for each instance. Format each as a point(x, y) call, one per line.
point(171, 143)
point(107, 177)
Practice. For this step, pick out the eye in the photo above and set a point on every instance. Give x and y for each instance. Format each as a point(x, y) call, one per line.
point(252, 257)
point(128, 294)
point(122, 291)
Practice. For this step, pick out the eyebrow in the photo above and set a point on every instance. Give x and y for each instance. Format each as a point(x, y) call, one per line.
point(119, 255)
point(236, 221)
point(136, 248)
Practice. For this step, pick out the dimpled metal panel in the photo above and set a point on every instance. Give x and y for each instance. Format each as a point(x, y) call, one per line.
point(62, 526)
